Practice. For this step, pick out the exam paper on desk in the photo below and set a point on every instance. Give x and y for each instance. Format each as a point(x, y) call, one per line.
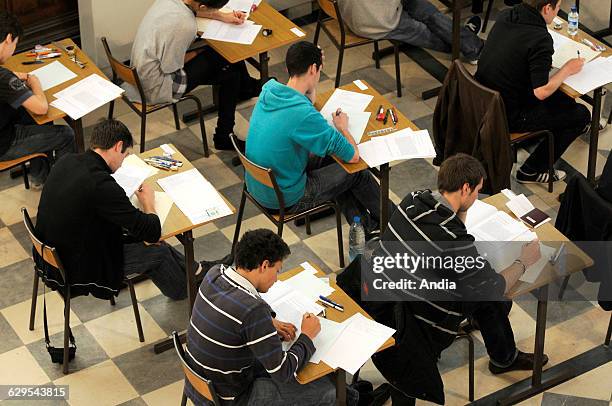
point(347, 101)
point(85, 96)
point(309, 285)
point(132, 173)
point(594, 74)
point(400, 145)
point(239, 34)
point(163, 204)
point(53, 74)
point(566, 49)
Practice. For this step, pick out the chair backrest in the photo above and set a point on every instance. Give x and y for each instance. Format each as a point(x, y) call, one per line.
point(263, 175)
point(202, 385)
point(126, 73)
point(329, 7)
point(47, 253)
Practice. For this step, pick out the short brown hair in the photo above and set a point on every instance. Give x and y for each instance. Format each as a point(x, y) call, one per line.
point(458, 170)
point(540, 4)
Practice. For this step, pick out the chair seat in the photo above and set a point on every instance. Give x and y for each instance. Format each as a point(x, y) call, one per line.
point(294, 216)
point(352, 39)
point(516, 137)
point(5, 165)
point(151, 107)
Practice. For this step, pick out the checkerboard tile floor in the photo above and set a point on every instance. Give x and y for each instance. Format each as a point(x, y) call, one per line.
point(112, 367)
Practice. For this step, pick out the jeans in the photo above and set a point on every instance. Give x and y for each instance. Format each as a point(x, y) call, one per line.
point(422, 25)
point(210, 68)
point(492, 319)
point(160, 262)
point(358, 194)
point(559, 114)
point(267, 392)
point(31, 138)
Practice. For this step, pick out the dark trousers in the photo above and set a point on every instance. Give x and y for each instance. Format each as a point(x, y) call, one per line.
point(494, 324)
point(210, 68)
point(160, 262)
point(31, 138)
point(558, 113)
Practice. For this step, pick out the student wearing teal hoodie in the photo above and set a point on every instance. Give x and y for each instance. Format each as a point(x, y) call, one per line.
point(288, 135)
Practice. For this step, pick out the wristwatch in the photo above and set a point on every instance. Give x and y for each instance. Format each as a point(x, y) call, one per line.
point(518, 261)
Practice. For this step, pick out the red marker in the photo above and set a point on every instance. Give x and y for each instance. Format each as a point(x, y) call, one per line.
point(380, 116)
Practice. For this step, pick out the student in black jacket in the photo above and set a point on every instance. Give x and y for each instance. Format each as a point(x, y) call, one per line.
point(83, 213)
point(516, 61)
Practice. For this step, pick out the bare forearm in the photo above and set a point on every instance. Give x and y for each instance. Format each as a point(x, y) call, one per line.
point(511, 275)
point(351, 140)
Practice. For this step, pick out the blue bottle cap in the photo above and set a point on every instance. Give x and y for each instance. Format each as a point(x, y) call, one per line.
point(356, 219)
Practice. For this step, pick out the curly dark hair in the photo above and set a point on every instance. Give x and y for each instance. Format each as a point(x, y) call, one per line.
point(259, 245)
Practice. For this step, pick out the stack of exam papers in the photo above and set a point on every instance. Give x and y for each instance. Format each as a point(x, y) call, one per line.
point(132, 174)
point(594, 74)
point(404, 144)
point(195, 196)
point(566, 49)
point(354, 105)
point(86, 95)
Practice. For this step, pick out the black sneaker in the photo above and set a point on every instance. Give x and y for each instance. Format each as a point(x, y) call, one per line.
point(539, 177)
point(474, 24)
point(512, 3)
point(224, 142)
point(523, 362)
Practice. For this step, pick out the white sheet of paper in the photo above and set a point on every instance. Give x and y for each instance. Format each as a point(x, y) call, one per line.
point(347, 101)
point(567, 48)
point(86, 95)
point(520, 205)
point(359, 340)
point(400, 145)
point(239, 5)
point(508, 193)
point(360, 84)
point(298, 32)
point(498, 227)
point(559, 40)
point(53, 74)
point(220, 31)
point(309, 285)
point(593, 75)
point(533, 272)
point(478, 212)
point(308, 268)
point(167, 149)
point(132, 173)
point(195, 196)
point(358, 122)
point(330, 332)
point(163, 204)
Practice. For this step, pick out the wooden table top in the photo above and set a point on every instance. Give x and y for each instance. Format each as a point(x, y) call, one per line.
point(312, 372)
point(176, 223)
point(14, 64)
point(378, 100)
point(578, 38)
point(575, 259)
point(268, 17)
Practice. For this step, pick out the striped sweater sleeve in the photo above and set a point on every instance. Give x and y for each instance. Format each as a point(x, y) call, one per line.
point(263, 340)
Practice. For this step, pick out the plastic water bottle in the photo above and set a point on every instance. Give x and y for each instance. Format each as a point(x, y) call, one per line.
point(356, 239)
point(572, 21)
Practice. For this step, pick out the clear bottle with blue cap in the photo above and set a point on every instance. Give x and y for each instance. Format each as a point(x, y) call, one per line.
point(356, 239)
point(572, 21)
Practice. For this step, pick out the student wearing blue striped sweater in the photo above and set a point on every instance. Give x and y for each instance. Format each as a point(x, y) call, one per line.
point(235, 341)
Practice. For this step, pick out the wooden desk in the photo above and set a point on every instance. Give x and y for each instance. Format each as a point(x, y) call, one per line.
point(595, 101)
point(312, 372)
point(383, 172)
point(178, 225)
point(575, 261)
point(14, 64)
point(268, 17)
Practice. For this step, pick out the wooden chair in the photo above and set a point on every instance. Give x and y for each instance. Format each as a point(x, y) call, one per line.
point(202, 385)
point(266, 177)
point(51, 257)
point(514, 138)
point(7, 165)
point(122, 72)
point(330, 20)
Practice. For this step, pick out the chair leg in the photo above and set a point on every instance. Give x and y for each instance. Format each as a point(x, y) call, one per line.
point(202, 126)
point(112, 301)
point(26, 181)
point(339, 69)
point(66, 334)
point(563, 287)
point(317, 30)
point(239, 219)
point(487, 16)
point(609, 333)
point(339, 231)
point(376, 55)
point(308, 230)
point(471, 367)
point(610, 118)
point(111, 109)
point(398, 74)
point(143, 131)
point(136, 311)
point(177, 123)
point(551, 161)
point(184, 400)
point(34, 298)
point(279, 228)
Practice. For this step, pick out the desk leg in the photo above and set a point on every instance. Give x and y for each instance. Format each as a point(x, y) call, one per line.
point(593, 144)
point(187, 240)
point(340, 387)
point(263, 66)
point(212, 108)
point(456, 28)
point(537, 385)
point(77, 127)
point(384, 197)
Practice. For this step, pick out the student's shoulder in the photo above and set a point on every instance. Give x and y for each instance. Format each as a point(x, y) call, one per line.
point(6, 75)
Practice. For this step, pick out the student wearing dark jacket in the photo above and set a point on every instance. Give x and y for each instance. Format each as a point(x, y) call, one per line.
point(435, 221)
point(516, 61)
point(83, 212)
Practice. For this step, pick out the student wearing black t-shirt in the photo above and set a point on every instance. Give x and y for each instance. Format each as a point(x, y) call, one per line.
point(19, 134)
point(516, 61)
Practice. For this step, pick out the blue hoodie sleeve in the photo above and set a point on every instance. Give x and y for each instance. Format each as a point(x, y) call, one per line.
point(318, 137)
